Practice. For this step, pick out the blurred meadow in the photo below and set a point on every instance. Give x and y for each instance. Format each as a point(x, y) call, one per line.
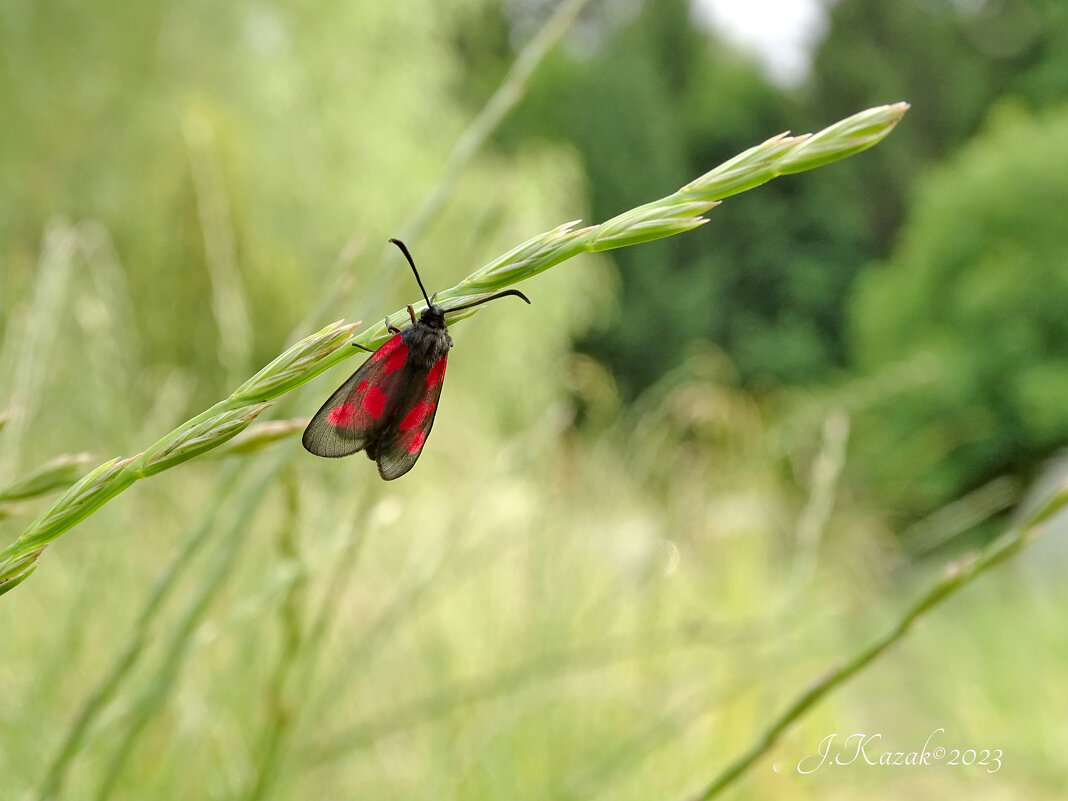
point(693, 478)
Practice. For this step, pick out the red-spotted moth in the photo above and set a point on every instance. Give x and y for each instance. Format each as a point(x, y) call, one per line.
point(387, 407)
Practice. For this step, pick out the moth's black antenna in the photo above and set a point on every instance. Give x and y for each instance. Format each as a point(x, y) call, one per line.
point(408, 256)
point(506, 292)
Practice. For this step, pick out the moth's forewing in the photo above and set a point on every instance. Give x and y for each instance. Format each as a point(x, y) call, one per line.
point(362, 408)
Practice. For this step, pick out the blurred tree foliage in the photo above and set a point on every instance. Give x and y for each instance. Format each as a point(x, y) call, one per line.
point(648, 99)
point(951, 61)
point(651, 101)
point(977, 284)
point(969, 279)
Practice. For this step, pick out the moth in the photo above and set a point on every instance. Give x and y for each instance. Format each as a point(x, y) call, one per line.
point(387, 407)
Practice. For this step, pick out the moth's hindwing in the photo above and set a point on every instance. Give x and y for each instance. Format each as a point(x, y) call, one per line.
point(397, 449)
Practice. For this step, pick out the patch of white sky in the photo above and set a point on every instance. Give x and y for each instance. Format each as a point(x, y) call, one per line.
point(781, 34)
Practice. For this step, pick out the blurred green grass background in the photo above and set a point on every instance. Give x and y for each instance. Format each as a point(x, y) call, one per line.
point(657, 503)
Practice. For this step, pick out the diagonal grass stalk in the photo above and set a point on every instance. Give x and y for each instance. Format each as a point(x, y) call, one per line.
point(117, 674)
point(104, 692)
point(509, 93)
point(956, 575)
point(512, 89)
point(674, 214)
point(193, 438)
point(178, 645)
point(61, 473)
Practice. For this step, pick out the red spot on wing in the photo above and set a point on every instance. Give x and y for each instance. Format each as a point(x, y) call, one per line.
point(387, 348)
point(361, 386)
point(416, 416)
point(417, 442)
point(395, 360)
point(341, 416)
point(436, 374)
point(374, 401)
